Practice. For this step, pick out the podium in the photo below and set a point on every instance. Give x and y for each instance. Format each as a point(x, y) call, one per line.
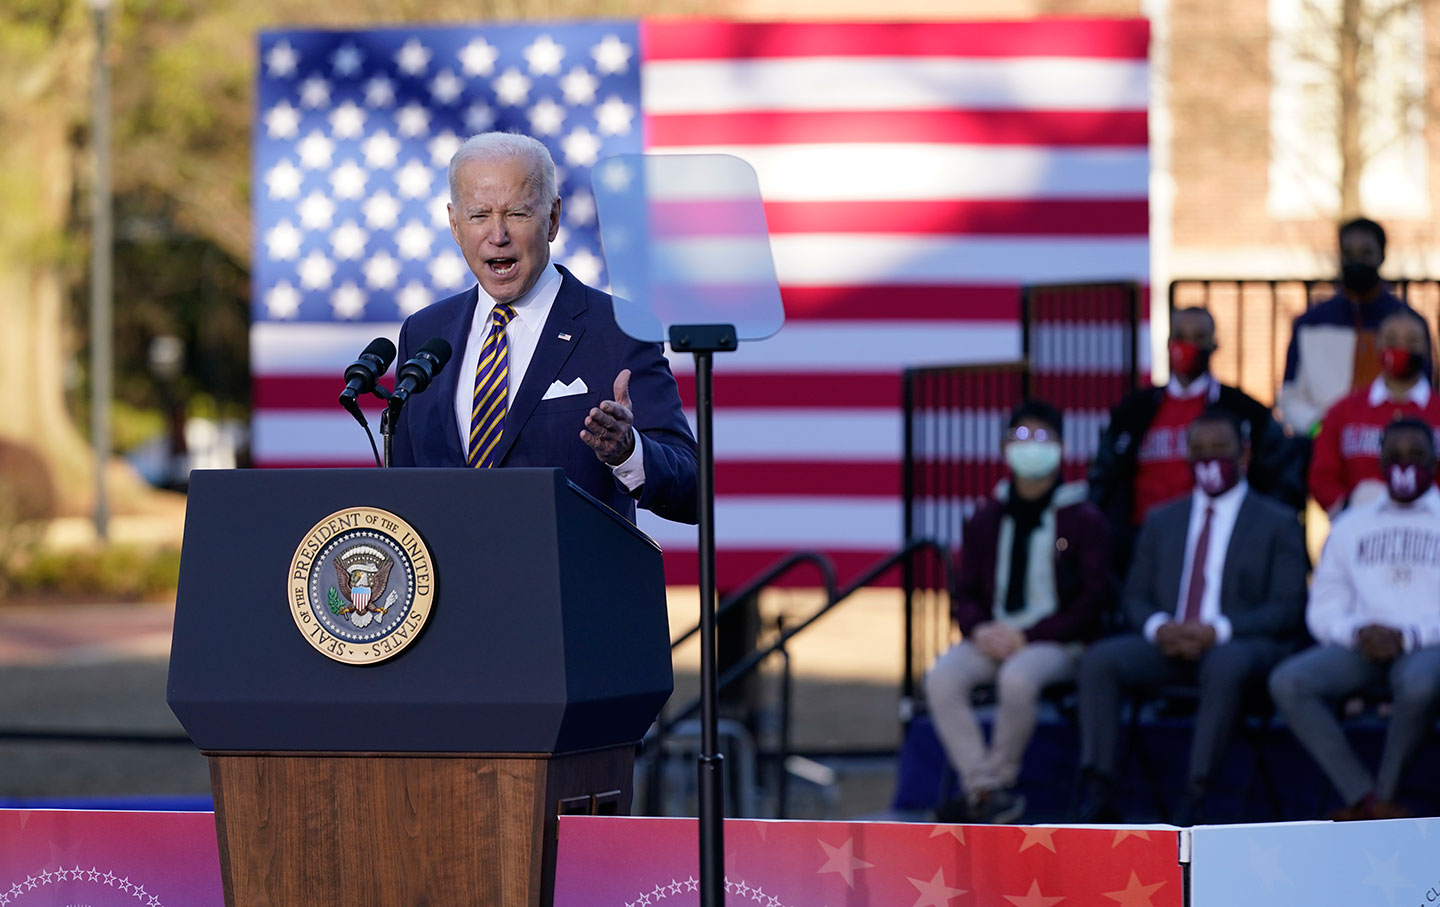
point(434, 776)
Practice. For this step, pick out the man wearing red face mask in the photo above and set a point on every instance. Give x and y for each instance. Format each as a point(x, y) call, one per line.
point(1375, 613)
point(1215, 598)
point(1345, 467)
point(1142, 460)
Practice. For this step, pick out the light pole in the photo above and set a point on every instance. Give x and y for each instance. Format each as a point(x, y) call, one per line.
point(101, 355)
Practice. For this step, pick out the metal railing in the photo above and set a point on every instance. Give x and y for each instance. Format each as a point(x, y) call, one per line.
point(654, 743)
point(1253, 321)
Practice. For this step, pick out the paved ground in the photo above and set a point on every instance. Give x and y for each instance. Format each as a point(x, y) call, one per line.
point(103, 668)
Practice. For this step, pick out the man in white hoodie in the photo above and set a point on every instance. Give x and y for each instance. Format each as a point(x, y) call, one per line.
point(1375, 611)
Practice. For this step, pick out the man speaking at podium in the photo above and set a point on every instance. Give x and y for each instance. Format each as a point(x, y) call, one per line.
point(542, 375)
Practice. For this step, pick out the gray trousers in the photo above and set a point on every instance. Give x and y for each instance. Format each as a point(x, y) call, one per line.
point(1307, 686)
point(1018, 682)
point(1224, 675)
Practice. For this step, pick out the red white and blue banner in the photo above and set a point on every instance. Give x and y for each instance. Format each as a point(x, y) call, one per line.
point(69, 858)
point(915, 176)
point(625, 862)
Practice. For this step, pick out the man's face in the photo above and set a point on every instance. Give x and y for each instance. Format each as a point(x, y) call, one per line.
point(1214, 441)
point(1360, 246)
point(1402, 332)
point(496, 219)
point(1406, 448)
point(1193, 327)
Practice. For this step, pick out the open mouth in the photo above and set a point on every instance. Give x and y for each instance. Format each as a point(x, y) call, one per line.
point(501, 266)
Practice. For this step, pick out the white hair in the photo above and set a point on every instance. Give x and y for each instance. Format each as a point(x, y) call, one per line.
point(494, 147)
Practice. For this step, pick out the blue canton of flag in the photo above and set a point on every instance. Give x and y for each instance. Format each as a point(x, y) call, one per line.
point(355, 129)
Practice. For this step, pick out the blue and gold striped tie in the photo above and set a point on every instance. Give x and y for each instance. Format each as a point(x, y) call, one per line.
point(487, 418)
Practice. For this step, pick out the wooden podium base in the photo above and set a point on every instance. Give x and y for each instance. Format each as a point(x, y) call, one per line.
point(404, 830)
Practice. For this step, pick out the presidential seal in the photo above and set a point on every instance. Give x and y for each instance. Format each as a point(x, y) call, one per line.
point(361, 585)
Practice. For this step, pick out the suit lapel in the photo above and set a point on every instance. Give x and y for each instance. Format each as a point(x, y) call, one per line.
point(1178, 543)
point(438, 406)
point(551, 354)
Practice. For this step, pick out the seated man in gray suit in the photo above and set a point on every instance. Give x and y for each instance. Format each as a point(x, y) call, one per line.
point(1217, 595)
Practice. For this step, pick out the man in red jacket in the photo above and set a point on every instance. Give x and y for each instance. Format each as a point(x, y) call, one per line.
point(1034, 579)
point(1345, 466)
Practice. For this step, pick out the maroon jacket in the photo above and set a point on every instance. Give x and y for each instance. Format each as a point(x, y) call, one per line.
point(1083, 586)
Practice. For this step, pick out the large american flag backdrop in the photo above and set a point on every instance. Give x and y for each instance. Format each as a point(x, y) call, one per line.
point(915, 176)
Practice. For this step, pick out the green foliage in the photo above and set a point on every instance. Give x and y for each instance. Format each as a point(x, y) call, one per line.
point(109, 574)
point(336, 605)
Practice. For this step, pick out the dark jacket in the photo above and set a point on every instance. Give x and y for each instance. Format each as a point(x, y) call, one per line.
point(1083, 589)
point(1262, 587)
point(1277, 464)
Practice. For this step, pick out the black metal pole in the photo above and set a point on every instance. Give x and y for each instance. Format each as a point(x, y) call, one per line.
point(387, 426)
point(711, 764)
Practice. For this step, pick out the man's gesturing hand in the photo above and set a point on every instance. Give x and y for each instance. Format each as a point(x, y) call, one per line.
point(609, 427)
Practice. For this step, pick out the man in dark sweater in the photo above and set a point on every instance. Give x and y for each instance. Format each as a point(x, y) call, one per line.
point(1142, 461)
point(1033, 582)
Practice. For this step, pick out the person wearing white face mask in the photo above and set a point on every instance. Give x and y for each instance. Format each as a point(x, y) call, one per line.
point(1033, 581)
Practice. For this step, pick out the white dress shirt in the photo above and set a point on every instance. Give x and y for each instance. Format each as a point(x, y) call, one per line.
point(1222, 526)
point(522, 336)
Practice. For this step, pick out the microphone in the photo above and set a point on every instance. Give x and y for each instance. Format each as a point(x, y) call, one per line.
point(362, 375)
point(417, 373)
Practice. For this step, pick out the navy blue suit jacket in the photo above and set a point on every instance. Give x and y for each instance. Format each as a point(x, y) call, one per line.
point(547, 432)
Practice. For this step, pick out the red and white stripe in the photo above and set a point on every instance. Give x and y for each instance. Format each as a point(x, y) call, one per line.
point(915, 176)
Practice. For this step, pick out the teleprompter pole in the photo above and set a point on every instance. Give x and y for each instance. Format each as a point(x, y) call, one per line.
point(703, 340)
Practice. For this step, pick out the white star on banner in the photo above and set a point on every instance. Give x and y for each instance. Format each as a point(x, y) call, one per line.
point(581, 147)
point(382, 211)
point(315, 151)
point(282, 241)
point(478, 58)
point(348, 180)
point(841, 859)
point(614, 116)
point(1265, 863)
point(579, 207)
point(282, 301)
point(448, 270)
point(346, 60)
point(412, 120)
point(413, 57)
point(546, 117)
point(283, 180)
point(379, 92)
point(585, 265)
point(579, 86)
point(347, 121)
point(935, 893)
point(348, 301)
point(615, 176)
point(440, 212)
point(512, 88)
point(381, 271)
point(414, 240)
point(314, 92)
point(281, 61)
point(443, 147)
point(412, 298)
point(479, 118)
point(316, 271)
point(446, 87)
point(382, 150)
point(282, 121)
point(557, 245)
point(316, 211)
point(544, 56)
point(348, 241)
point(414, 180)
point(611, 55)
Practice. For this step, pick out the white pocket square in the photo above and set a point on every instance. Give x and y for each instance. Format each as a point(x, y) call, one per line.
point(557, 389)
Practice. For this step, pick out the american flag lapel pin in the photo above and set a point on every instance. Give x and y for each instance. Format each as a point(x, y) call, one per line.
point(564, 336)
